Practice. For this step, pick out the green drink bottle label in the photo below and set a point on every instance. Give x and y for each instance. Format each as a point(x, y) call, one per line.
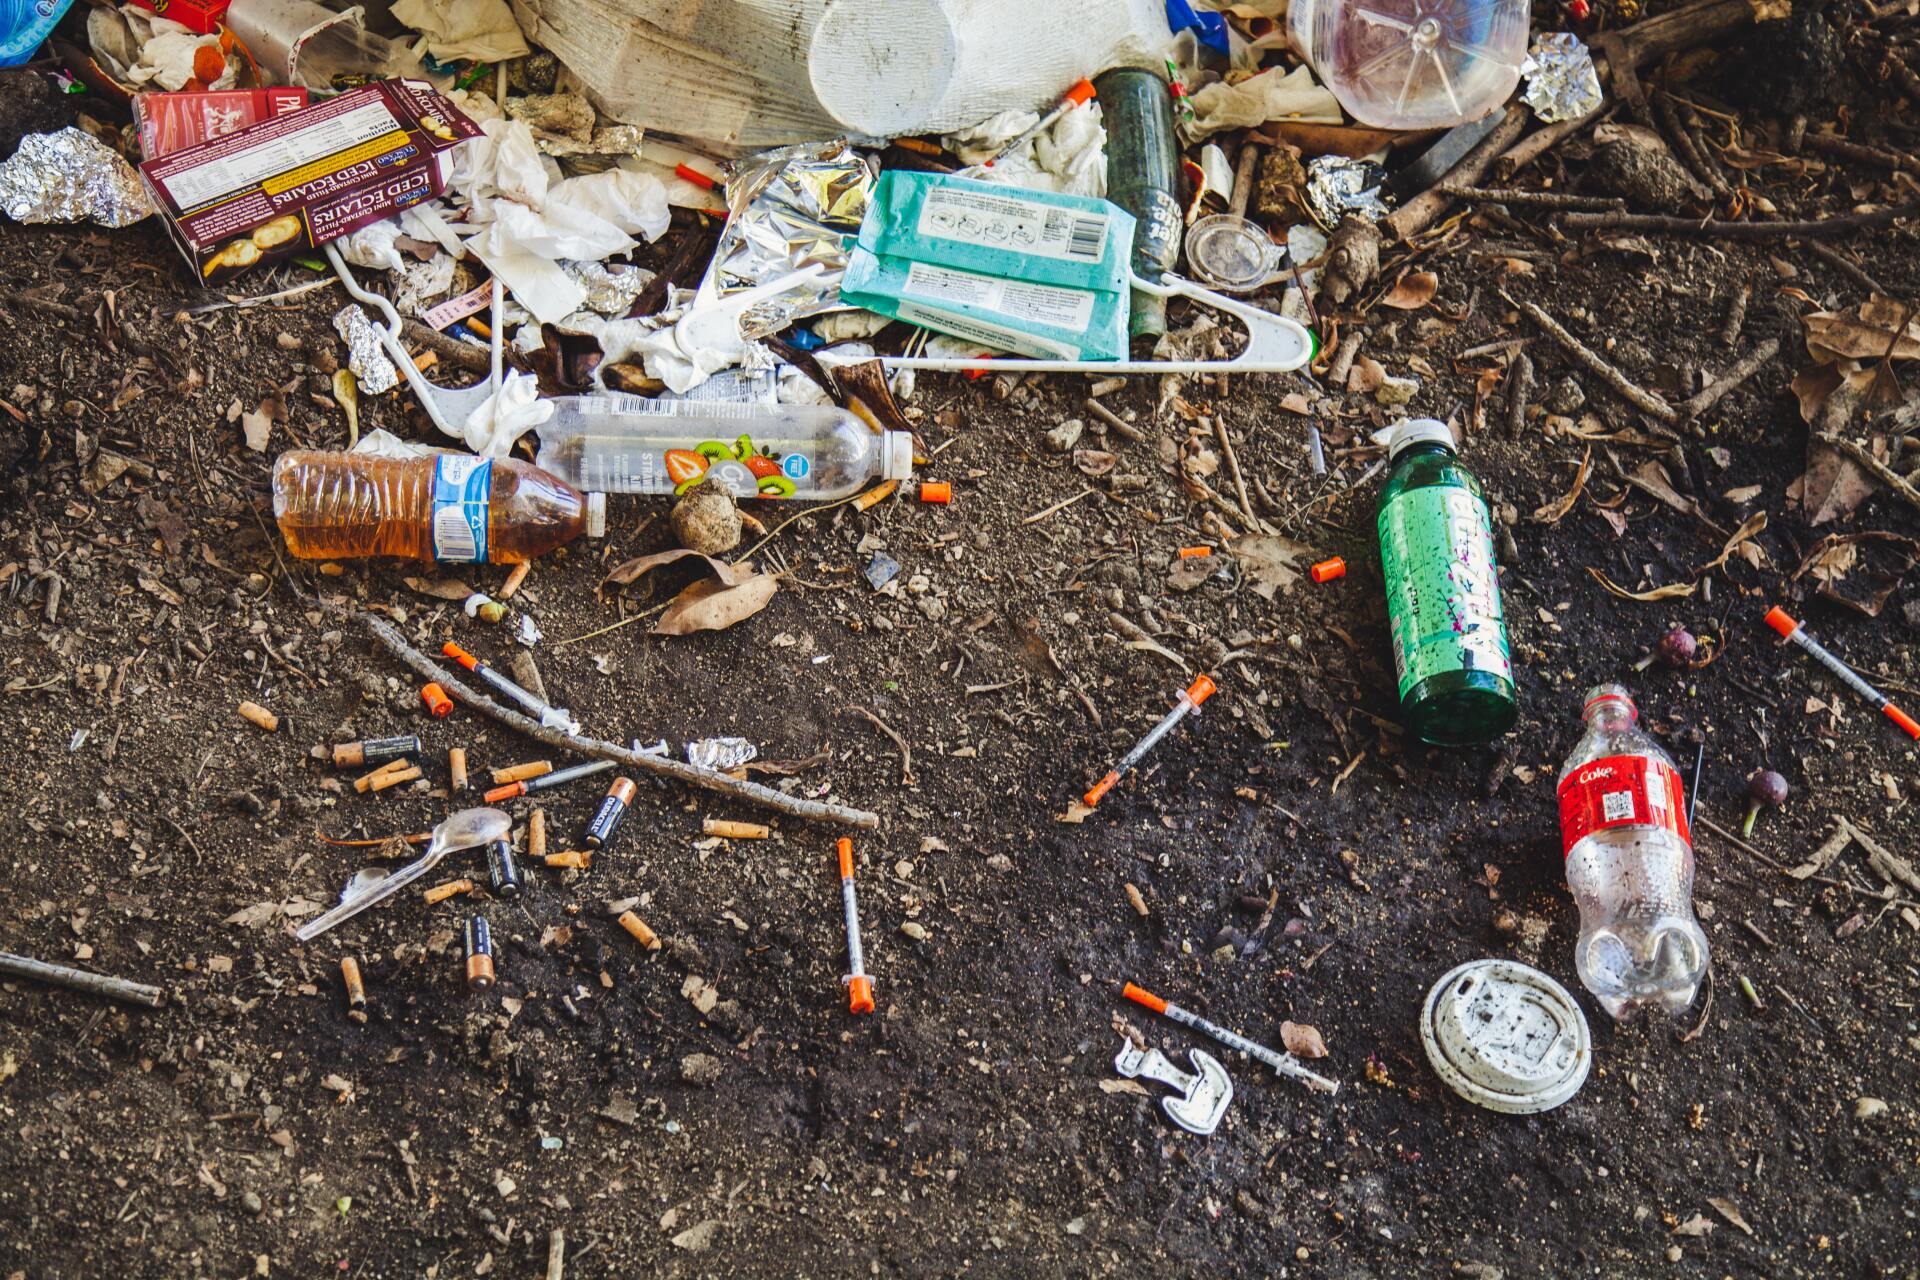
point(1443, 598)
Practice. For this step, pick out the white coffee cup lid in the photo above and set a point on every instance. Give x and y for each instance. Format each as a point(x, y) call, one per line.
point(1506, 1037)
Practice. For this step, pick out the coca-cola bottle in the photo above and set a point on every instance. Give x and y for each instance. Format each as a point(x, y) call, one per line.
point(1623, 827)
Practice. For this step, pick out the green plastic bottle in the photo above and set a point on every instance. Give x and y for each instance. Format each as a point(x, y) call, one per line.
point(1443, 594)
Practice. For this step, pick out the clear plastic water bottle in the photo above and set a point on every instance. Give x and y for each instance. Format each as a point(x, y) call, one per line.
point(1414, 64)
point(1623, 826)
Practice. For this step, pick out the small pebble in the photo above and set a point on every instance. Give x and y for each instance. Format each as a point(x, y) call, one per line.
point(918, 932)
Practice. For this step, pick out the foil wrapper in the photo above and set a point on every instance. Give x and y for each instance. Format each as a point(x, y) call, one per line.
point(720, 753)
point(1337, 186)
point(71, 176)
point(365, 356)
point(611, 287)
point(1561, 81)
point(790, 208)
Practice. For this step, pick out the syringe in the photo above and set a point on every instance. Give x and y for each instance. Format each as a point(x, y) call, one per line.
point(1789, 629)
point(1190, 699)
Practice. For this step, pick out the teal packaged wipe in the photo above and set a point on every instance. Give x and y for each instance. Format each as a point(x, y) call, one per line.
point(1024, 271)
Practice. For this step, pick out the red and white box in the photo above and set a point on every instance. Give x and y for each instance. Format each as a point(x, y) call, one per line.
point(170, 122)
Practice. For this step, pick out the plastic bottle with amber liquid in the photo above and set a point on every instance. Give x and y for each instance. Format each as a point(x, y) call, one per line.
point(455, 508)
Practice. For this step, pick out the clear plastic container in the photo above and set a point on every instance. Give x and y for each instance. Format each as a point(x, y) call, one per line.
point(1414, 64)
point(1623, 825)
point(629, 444)
point(452, 507)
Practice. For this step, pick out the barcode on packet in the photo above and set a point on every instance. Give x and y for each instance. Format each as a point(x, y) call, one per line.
point(1088, 238)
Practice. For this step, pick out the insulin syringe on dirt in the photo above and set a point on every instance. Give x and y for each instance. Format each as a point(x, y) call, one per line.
point(1285, 1063)
point(628, 444)
point(1190, 699)
point(1790, 630)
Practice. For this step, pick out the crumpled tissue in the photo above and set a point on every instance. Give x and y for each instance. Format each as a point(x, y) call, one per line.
point(1070, 156)
point(1271, 95)
point(483, 30)
point(514, 409)
point(71, 176)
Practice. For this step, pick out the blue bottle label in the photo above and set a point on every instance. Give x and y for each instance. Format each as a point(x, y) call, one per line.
point(462, 494)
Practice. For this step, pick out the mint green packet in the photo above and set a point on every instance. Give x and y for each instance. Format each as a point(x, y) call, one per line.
point(1031, 272)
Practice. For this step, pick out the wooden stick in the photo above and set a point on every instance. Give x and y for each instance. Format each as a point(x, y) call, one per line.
point(1419, 213)
point(1707, 181)
point(1541, 141)
point(1343, 358)
point(1519, 389)
point(1244, 171)
point(1645, 401)
point(1845, 266)
point(906, 753)
point(1709, 227)
point(1828, 144)
point(556, 1253)
point(1881, 471)
point(98, 984)
point(391, 640)
point(1756, 359)
point(461, 355)
point(1736, 314)
point(1233, 473)
point(1114, 421)
point(1903, 75)
point(1537, 199)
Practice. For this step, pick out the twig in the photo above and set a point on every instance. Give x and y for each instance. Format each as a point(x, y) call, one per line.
point(1419, 213)
point(906, 754)
point(1903, 74)
point(461, 355)
point(98, 984)
point(1114, 421)
point(1707, 182)
point(1710, 395)
point(1246, 166)
point(801, 515)
point(47, 305)
point(711, 779)
point(1343, 358)
point(556, 1253)
point(1845, 266)
point(1644, 400)
point(1057, 507)
point(1736, 230)
point(1881, 471)
point(265, 299)
point(1836, 146)
point(1541, 141)
point(1519, 390)
point(1736, 314)
point(1233, 472)
point(1687, 1037)
point(1536, 199)
point(1137, 638)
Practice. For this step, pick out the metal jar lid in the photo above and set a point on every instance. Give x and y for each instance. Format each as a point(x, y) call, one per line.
point(1506, 1037)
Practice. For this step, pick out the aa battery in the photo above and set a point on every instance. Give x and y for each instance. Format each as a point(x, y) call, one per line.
point(612, 812)
point(356, 755)
point(479, 953)
point(503, 872)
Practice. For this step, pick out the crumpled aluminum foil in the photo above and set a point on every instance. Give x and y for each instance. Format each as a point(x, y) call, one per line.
point(611, 287)
point(720, 753)
point(71, 176)
point(790, 208)
point(1337, 186)
point(1561, 81)
point(365, 356)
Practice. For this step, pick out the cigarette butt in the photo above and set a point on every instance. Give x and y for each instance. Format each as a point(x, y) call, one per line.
point(514, 579)
point(634, 925)
point(937, 492)
point(1195, 553)
point(356, 989)
point(537, 834)
point(1139, 902)
point(394, 779)
point(734, 830)
point(441, 892)
point(508, 792)
point(876, 495)
point(576, 859)
point(260, 715)
point(457, 767)
point(1328, 570)
point(521, 772)
point(919, 145)
point(437, 700)
point(392, 766)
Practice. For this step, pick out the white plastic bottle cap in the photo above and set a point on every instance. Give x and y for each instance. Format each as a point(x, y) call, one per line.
point(596, 515)
point(896, 462)
point(1411, 431)
point(1506, 1036)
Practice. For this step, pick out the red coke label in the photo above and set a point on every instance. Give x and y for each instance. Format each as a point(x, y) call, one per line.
point(1621, 791)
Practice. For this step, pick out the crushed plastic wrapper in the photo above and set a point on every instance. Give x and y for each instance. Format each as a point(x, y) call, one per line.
point(365, 356)
point(71, 176)
point(1561, 81)
point(1337, 186)
point(720, 753)
point(789, 208)
point(611, 287)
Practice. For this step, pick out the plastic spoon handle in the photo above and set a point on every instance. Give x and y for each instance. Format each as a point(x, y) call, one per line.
point(377, 894)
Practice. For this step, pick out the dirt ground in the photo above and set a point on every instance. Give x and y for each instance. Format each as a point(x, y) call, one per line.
point(250, 1127)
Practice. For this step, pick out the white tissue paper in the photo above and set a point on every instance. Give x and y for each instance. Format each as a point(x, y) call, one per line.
point(1258, 99)
point(509, 413)
point(1069, 157)
point(483, 30)
point(372, 246)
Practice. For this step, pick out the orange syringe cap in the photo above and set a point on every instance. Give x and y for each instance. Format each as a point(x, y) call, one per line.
point(1777, 619)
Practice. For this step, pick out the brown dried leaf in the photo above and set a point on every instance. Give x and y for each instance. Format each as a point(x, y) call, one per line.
point(1673, 590)
point(1366, 377)
point(1188, 573)
point(1412, 291)
point(1269, 562)
point(632, 570)
point(1727, 1209)
point(161, 592)
point(1836, 558)
point(440, 588)
point(1744, 494)
point(1302, 1040)
point(1094, 463)
point(713, 605)
point(1752, 526)
point(1125, 1086)
point(1878, 329)
point(1651, 478)
point(1834, 484)
point(1553, 512)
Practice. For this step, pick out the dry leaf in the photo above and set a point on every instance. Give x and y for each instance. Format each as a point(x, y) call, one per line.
point(1834, 484)
point(346, 389)
point(636, 568)
point(1651, 478)
point(1753, 525)
point(1366, 377)
point(1294, 402)
point(1726, 1209)
point(711, 605)
point(1125, 1086)
point(1094, 463)
point(1412, 291)
point(1269, 562)
point(1554, 511)
point(1671, 591)
point(440, 588)
point(1877, 329)
point(1744, 494)
point(1770, 10)
point(1302, 1041)
point(1076, 812)
point(1697, 1225)
point(161, 592)
point(260, 914)
point(1836, 557)
point(1187, 574)
point(256, 426)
